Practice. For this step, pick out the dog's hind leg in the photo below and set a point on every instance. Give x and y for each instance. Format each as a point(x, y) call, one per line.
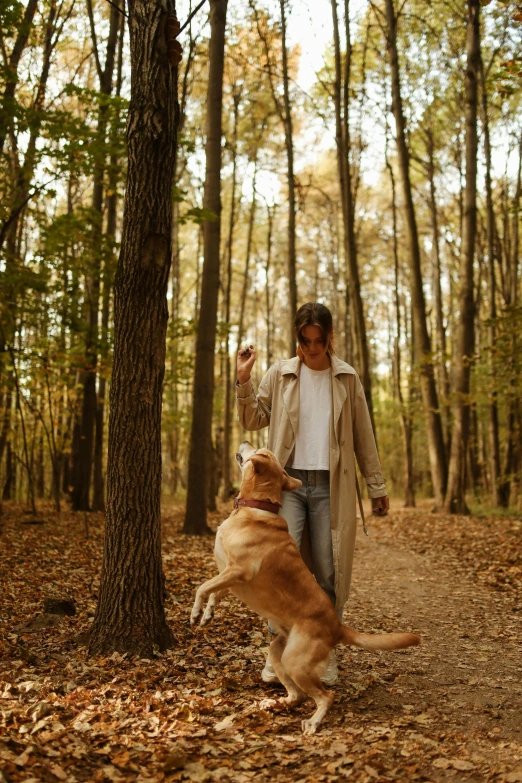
point(212, 602)
point(304, 662)
point(232, 575)
point(294, 695)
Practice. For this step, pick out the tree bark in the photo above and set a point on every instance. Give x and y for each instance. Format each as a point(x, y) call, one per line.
point(284, 112)
point(493, 433)
point(130, 615)
point(90, 411)
point(436, 447)
point(98, 494)
point(406, 421)
point(289, 144)
point(203, 397)
point(11, 75)
point(465, 341)
point(227, 391)
point(344, 154)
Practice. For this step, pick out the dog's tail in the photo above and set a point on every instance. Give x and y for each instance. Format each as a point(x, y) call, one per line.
point(378, 641)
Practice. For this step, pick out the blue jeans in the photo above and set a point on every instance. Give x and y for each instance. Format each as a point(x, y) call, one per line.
point(312, 502)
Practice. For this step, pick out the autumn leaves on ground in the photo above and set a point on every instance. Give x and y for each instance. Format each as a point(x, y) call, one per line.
point(450, 710)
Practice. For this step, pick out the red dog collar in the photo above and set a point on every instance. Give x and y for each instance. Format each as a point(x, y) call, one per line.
point(264, 505)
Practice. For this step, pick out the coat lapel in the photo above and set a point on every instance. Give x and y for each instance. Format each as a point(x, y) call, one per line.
point(290, 379)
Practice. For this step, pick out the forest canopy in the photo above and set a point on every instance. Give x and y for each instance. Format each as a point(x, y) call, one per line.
point(350, 134)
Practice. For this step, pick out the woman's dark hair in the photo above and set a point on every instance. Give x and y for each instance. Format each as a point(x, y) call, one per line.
point(314, 314)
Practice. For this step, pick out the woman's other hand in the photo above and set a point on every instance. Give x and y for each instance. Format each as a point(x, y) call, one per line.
point(245, 361)
point(380, 506)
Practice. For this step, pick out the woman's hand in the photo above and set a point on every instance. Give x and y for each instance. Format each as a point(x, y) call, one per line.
point(245, 361)
point(380, 506)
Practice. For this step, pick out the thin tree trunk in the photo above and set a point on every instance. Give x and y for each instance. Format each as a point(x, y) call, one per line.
point(11, 72)
point(289, 144)
point(227, 391)
point(465, 341)
point(406, 422)
point(201, 431)
point(284, 112)
point(436, 447)
point(98, 495)
point(444, 384)
point(81, 493)
point(494, 443)
point(250, 236)
point(344, 154)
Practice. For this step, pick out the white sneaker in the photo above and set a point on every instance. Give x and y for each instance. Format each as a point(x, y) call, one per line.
point(331, 674)
point(268, 674)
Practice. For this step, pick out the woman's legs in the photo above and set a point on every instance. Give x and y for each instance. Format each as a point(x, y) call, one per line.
point(295, 507)
point(318, 492)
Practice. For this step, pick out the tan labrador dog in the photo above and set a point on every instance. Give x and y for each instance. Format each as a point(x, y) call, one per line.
point(260, 564)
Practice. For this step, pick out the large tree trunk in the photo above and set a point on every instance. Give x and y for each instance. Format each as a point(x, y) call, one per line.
point(130, 615)
point(201, 431)
point(436, 447)
point(465, 342)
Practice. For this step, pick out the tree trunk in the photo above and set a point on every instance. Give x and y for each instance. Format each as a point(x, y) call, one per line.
point(130, 615)
point(289, 144)
point(406, 421)
point(98, 495)
point(494, 444)
point(11, 72)
point(284, 112)
point(444, 384)
point(90, 409)
point(227, 391)
point(201, 431)
point(344, 154)
point(465, 340)
point(436, 447)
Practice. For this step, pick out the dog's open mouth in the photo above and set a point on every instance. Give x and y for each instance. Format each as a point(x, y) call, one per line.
point(239, 458)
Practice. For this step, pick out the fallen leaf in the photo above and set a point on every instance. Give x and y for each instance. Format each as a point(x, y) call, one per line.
point(226, 723)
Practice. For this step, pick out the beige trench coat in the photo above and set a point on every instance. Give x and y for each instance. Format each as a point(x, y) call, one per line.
point(277, 404)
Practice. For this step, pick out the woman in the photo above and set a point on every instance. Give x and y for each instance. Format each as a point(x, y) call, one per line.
point(318, 417)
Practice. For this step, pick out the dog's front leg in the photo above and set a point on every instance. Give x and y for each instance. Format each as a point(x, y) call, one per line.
point(232, 575)
point(213, 601)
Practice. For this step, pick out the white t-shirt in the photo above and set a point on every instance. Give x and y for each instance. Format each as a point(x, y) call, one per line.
point(312, 444)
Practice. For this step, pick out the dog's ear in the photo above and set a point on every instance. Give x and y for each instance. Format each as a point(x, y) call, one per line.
point(290, 483)
point(259, 462)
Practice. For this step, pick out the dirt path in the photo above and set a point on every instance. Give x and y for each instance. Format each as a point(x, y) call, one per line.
point(463, 687)
point(450, 710)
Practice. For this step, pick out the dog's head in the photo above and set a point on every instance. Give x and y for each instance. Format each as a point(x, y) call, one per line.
point(263, 474)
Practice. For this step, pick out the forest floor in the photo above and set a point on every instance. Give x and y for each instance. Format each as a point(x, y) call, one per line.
point(450, 710)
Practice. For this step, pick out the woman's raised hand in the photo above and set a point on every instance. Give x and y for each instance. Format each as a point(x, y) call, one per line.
point(245, 361)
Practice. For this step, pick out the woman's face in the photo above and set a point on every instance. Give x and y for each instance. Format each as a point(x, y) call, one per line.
point(314, 346)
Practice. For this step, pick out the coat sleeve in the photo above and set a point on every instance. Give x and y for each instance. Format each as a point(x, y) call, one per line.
point(254, 409)
point(365, 447)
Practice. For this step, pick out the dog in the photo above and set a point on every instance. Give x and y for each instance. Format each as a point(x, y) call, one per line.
point(260, 564)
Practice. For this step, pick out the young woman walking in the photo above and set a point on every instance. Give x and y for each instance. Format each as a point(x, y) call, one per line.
point(315, 407)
